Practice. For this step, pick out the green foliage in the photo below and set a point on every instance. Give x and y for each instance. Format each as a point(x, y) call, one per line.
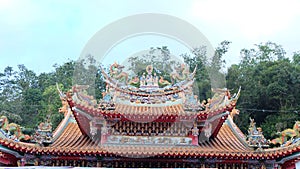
point(275, 123)
point(296, 58)
point(31, 106)
point(160, 58)
point(14, 118)
point(50, 104)
point(202, 86)
point(209, 70)
point(270, 87)
point(32, 97)
point(28, 131)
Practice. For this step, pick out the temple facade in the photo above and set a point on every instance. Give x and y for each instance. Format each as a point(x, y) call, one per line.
point(146, 121)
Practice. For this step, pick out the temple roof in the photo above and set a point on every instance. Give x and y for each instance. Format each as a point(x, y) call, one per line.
point(227, 144)
point(85, 110)
point(148, 100)
point(73, 137)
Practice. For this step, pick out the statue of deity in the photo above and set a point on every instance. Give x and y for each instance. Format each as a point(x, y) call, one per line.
point(143, 80)
point(155, 80)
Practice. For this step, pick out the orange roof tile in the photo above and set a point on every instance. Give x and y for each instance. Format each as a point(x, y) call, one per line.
point(225, 144)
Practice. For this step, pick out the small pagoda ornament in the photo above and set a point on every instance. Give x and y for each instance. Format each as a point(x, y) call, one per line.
point(43, 135)
point(255, 136)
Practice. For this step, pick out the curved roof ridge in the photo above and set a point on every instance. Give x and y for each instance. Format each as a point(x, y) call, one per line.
point(62, 125)
point(242, 138)
point(236, 131)
point(283, 147)
point(2, 134)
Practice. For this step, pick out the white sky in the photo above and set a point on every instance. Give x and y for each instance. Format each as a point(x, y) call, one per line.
point(42, 33)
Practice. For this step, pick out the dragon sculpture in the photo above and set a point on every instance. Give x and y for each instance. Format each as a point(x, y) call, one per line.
point(288, 136)
point(184, 73)
point(64, 102)
point(234, 112)
point(117, 73)
point(13, 129)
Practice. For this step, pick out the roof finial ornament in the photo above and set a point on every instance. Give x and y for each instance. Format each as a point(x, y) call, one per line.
point(234, 112)
point(43, 135)
point(117, 72)
point(255, 136)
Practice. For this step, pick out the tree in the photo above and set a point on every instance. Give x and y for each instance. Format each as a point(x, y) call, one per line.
point(209, 70)
point(270, 87)
point(50, 104)
point(202, 85)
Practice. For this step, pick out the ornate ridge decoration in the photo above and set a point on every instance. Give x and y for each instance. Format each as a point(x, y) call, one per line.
point(117, 73)
point(288, 136)
point(255, 136)
point(148, 108)
point(12, 130)
point(149, 88)
point(64, 102)
point(43, 135)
